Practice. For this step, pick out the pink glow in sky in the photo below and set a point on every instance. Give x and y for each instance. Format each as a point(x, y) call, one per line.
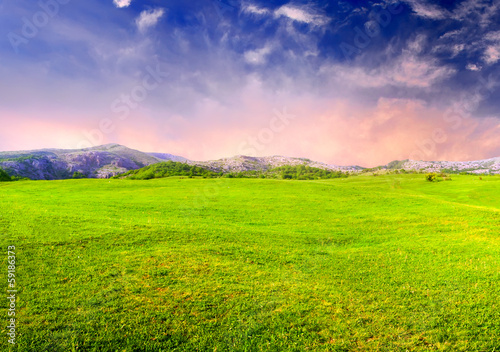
point(205, 84)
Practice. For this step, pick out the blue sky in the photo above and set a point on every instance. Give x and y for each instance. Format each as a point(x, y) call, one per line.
point(344, 82)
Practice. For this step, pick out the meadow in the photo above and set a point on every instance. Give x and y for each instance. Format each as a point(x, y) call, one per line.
point(387, 263)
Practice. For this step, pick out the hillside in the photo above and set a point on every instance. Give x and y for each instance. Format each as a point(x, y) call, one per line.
point(168, 157)
point(173, 168)
point(97, 162)
point(167, 169)
point(247, 163)
point(388, 263)
point(487, 166)
point(114, 159)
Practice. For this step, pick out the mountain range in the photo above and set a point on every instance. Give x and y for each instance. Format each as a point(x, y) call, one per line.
point(113, 159)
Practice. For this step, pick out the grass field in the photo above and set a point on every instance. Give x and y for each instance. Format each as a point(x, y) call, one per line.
point(388, 263)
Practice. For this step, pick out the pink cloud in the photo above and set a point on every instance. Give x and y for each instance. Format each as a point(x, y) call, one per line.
point(338, 132)
point(341, 131)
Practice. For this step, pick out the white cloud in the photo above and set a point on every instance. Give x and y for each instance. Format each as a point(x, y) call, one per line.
point(122, 3)
point(492, 54)
point(148, 18)
point(491, 47)
point(473, 67)
point(258, 57)
point(493, 36)
point(480, 12)
point(302, 14)
point(417, 45)
point(457, 49)
point(424, 9)
point(252, 9)
point(477, 12)
point(408, 70)
point(452, 34)
point(415, 72)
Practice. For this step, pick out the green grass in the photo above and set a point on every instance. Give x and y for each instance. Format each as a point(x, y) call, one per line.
point(387, 263)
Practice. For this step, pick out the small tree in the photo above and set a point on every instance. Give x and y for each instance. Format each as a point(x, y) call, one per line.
point(431, 177)
point(148, 175)
point(4, 176)
point(78, 174)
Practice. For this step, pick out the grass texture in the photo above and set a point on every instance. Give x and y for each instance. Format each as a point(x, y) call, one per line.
point(387, 263)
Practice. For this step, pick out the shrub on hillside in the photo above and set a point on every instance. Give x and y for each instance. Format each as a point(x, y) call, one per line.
point(167, 169)
point(302, 172)
point(431, 177)
point(4, 176)
point(78, 174)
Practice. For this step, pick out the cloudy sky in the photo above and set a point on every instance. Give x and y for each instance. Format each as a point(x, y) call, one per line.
point(343, 82)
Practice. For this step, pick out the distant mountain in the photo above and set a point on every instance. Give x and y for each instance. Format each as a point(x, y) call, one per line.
point(97, 162)
point(247, 163)
point(114, 159)
point(487, 166)
point(167, 157)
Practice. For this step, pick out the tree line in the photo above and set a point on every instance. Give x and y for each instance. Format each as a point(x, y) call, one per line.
point(287, 172)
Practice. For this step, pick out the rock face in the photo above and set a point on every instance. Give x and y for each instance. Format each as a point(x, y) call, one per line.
point(113, 159)
point(487, 166)
point(247, 163)
point(166, 157)
point(52, 164)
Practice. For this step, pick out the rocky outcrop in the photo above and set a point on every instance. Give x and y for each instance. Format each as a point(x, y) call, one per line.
point(166, 157)
point(52, 164)
point(487, 166)
point(114, 159)
point(247, 163)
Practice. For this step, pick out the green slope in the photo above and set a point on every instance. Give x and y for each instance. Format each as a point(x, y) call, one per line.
point(166, 169)
point(388, 263)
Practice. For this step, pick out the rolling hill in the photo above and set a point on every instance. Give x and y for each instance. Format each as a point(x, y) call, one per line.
point(97, 162)
point(113, 159)
point(487, 166)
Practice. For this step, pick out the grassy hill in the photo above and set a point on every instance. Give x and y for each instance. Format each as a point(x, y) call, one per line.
point(171, 168)
point(113, 159)
point(167, 169)
point(96, 162)
point(4, 176)
point(388, 263)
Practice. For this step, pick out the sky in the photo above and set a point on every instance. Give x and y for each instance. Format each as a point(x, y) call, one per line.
point(341, 82)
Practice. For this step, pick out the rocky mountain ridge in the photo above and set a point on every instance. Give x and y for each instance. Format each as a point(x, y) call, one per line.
point(247, 163)
point(487, 166)
point(97, 162)
point(113, 159)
